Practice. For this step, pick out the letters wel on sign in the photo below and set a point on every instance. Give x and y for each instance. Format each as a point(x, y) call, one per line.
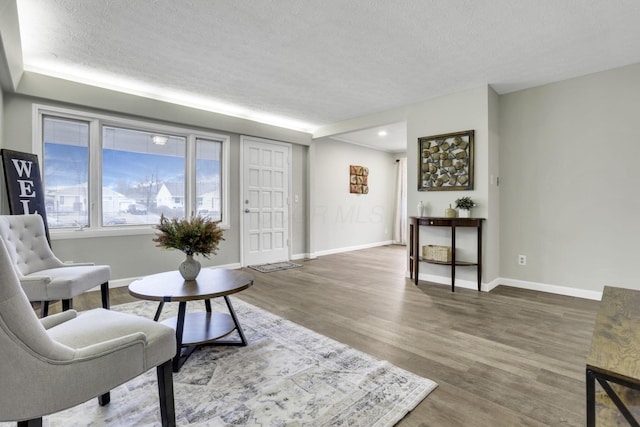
point(24, 185)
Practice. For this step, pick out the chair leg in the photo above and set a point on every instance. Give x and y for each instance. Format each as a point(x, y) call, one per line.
point(67, 304)
point(36, 422)
point(44, 309)
point(165, 390)
point(104, 399)
point(104, 290)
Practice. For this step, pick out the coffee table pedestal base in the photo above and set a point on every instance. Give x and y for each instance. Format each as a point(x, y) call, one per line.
point(198, 328)
point(202, 328)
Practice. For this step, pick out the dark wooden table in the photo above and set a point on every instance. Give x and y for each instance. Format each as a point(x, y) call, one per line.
point(453, 223)
point(615, 350)
point(198, 328)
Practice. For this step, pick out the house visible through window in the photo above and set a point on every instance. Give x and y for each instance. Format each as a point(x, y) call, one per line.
point(66, 171)
point(136, 174)
point(109, 174)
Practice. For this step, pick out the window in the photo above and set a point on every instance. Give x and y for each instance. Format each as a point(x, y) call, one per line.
point(106, 173)
point(141, 174)
point(208, 191)
point(66, 171)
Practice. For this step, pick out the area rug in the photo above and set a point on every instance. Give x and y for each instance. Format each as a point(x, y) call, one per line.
point(287, 376)
point(276, 266)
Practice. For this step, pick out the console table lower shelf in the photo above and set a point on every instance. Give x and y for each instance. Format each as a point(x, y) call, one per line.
point(458, 263)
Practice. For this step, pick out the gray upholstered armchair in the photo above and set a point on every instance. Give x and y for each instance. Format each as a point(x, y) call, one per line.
point(42, 275)
point(68, 358)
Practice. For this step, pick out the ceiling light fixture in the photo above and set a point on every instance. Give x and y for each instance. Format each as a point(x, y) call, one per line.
point(159, 139)
point(382, 133)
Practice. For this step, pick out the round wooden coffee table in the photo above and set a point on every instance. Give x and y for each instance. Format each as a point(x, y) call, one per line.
point(198, 328)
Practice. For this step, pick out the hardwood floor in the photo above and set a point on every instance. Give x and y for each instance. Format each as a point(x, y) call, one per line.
point(510, 357)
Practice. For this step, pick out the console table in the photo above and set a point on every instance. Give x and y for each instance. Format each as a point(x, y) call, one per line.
point(453, 223)
point(615, 350)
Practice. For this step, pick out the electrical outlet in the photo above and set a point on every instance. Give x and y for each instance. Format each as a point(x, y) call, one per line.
point(522, 259)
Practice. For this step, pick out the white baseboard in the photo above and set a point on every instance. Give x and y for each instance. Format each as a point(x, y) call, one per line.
point(522, 284)
point(350, 248)
point(552, 289)
point(460, 283)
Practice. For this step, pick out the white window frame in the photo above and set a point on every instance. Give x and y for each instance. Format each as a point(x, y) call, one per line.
point(96, 122)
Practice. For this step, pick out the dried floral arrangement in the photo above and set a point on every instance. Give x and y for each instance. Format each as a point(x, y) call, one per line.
point(193, 236)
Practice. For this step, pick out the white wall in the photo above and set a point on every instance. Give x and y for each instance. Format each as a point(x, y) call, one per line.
point(569, 182)
point(342, 220)
point(134, 256)
point(452, 113)
point(457, 112)
point(566, 157)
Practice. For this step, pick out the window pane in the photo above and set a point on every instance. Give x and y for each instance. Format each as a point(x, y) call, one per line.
point(208, 182)
point(143, 175)
point(66, 172)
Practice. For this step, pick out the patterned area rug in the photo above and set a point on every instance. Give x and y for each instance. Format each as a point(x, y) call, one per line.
point(286, 376)
point(276, 266)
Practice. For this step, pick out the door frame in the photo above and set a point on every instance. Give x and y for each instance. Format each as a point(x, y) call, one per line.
point(289, 178)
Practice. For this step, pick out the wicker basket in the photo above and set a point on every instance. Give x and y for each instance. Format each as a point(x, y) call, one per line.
point(436, 253)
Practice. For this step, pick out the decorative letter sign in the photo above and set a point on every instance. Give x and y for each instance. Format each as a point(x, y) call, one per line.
point(24, 186)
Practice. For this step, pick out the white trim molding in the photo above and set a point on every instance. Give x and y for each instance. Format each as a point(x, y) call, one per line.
point(521, 284)
point(552, 289)
point(350, 248)
point(460, 283)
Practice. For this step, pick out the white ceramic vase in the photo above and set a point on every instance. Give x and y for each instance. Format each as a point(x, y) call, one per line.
point(190, 268)
point(465, 213)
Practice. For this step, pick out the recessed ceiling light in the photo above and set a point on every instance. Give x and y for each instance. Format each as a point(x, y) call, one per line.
point(382, 133)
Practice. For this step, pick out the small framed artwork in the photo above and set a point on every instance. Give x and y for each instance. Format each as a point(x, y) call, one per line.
point(445, 162)
point(358, 179)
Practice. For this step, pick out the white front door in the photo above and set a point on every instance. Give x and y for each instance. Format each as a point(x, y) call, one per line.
point(265, 201)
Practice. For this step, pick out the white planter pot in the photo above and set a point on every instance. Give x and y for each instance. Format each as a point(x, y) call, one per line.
point(465, 213)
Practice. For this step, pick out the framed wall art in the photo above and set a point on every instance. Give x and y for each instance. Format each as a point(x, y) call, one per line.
point(445, 162)
point(358, 179)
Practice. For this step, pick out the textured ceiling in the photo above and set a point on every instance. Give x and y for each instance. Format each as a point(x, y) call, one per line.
point(305, 64)
point(391, 137)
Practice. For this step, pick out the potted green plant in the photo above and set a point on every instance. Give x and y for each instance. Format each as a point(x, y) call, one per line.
point(193, 236)
point(465, 204)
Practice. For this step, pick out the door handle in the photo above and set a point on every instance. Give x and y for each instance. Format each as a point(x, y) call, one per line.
point(246, 210)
